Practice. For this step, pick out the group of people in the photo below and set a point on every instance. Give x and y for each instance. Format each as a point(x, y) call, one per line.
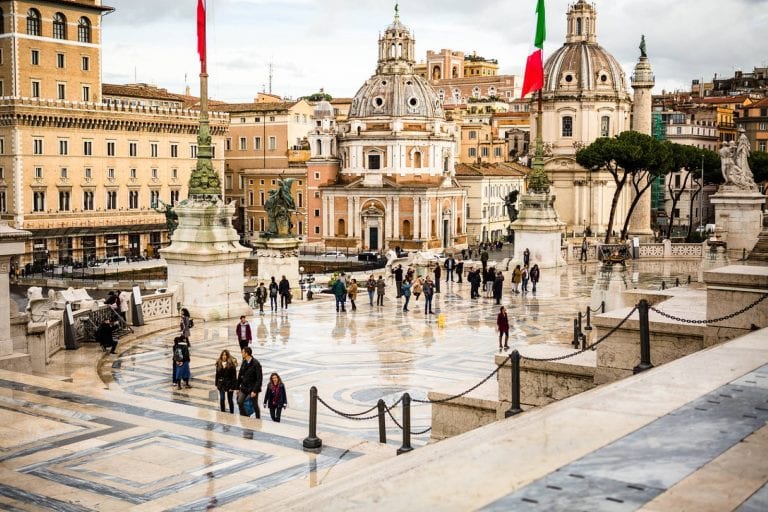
point(281, 290)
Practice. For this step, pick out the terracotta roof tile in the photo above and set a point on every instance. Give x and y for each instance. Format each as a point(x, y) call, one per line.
point(241, 108)
point(510, 169)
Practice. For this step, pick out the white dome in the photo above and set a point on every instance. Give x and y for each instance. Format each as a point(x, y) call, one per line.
point(398, 95)
point(583, 66)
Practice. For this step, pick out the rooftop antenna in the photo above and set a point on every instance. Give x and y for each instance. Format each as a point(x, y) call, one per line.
point(271, 74)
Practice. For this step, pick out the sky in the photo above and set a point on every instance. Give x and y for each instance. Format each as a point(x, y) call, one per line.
point(332, 44)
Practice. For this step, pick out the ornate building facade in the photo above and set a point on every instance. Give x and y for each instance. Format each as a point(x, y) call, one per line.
point(385, 176)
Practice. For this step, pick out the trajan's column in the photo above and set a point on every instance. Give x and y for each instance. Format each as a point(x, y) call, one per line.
point(642, 83)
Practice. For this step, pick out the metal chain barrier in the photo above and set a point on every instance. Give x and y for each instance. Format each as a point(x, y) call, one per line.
point(420, 433)
point(712, 321)
point(443, 400)
point(354, 416)
point(588, 347)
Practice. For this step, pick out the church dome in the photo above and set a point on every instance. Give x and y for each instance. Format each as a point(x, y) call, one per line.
point(323, 110)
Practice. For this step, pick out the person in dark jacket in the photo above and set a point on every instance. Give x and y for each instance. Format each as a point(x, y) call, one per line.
point(498, 284)
point(249, 382)
point(285, 294)
point(340, 292)
point(535, 276)
point(502, 324)
point(438, 273)
point(243, 333)
point(275, 397)
point(105, 336)
point(459, 269)
point(181, 362)
point(273, 292)
point(226, 379)
point(398, 273)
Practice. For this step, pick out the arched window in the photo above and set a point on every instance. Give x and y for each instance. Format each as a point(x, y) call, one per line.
point(399, 50)
point(319, 147)
point(406, 231)
point(605, 126)
point(417, 160)
point(567, 130)
point(476, 92)
point(84, 30)
point(33, 22)
point(586, 26)
point(578, 26)
point(455, 72)
point(436, 75)
point(342, 231)
point(59, 26)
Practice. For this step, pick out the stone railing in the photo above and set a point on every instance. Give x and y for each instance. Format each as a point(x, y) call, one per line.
point(652, 250)
point(687, 250)
point(664, 250)
point(88, 320)
point(158, 305)
point(54, 337)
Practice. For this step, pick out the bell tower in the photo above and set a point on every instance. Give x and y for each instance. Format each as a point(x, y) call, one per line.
point(396, 49)
point(582, 23)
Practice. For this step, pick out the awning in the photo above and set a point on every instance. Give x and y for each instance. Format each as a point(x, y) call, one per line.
point(96, 230)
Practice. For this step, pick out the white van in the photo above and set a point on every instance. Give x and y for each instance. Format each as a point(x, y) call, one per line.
point(112, 260)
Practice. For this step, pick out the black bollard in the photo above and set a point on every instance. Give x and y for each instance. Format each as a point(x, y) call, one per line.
point(663, 285)
point(515, 407)
point(575, 341)
point(382, 422)
point(689, 279)
point(406, 447)
point(645, 338)
point(602, 307)
point(743, 254)
point(312, 443)
point(583, 342)
point(580, 324)
point(589, 319)
point(677, 282)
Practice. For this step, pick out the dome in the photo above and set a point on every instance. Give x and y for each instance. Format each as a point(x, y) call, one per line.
point(583, 66)
point(323, 110)
point(396, 95)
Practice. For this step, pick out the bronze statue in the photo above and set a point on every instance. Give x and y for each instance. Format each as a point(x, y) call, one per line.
point(510, 202)
point(280, 207)
point(643, 49)
point(171, 218)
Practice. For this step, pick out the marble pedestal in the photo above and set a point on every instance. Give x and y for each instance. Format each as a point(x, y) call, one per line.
point(205, 260)
point(738, 217)
point(11, 244)
point(278, 257)
point(539, 230)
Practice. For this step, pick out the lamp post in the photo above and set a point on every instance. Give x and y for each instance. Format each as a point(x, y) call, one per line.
point(301, 281)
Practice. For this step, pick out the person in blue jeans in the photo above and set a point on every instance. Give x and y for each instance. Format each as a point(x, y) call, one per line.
point(429, 292)
point(406, 292)
point(273, 288)
point(371, 287)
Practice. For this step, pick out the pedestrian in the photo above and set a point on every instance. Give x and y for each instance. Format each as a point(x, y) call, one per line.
point(417, 288)
point(352, 293)
point(226, 379)
point(438, 272)
point(398, 273)
point(502, 324)
point(484, 260)
point(261, 297)
point(498, 284)
point(410, 273)
point(535, 275)
point(249, 382)
point(285, 293)
point(370, 285)
point(181, 361)
point(273, 291)
point(252, 301)
point(429, 293)
point(517, 276)
point(526, 257)
point(489, 276)
point(406, 292)
point(459, 269)
point(125, 303)
point(275, 397)
point(450, 266)
point(243, 333)
point(113, 301)
point(584, 248)
point(105, 336)
point(524, 276)
point(340, 292)
point(380, 287)
point(185, 324)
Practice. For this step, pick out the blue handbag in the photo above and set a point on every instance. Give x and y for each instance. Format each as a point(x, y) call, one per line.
point(248, 406)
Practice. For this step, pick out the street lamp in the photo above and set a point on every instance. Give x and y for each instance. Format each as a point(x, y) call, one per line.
point(301, 281)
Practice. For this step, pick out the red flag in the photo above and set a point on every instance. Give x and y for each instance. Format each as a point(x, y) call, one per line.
point(534, 67)
point(201, 46)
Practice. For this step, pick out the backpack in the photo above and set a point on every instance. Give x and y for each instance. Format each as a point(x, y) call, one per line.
point(178, 355)
point(191, 323)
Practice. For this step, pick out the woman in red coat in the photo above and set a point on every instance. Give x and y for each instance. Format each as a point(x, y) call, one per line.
point(502, 324)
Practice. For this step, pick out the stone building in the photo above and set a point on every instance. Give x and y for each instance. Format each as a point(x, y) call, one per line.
point(754, 120)
point(385, 176)
point(83, 175)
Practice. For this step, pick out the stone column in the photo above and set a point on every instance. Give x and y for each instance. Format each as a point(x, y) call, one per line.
point(642, 83)
point(396, 218)
point(416, 218)
point(11, 244)
point(331, 216)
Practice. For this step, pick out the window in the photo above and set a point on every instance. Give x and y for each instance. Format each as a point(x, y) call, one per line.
point(84, 30)
point(63, 173)
point(242, 182)
point(112, 200)
point(567, 126)
point(174, 197)
point(484, 151)
point(61, 91)
point(133, 199)
point(317, 175)
point(3, 204)
point(174, 174)
point(153, 149)
point(497, 152)
point(37, 146)
point(472, 135)
point(300, 198)
point(59, 26)
point(174, 150)
point(111, 173)
point(605, 126)
point(39, 202)
point(110, 148)
point(35, 56)
point(472, 152)
point(88, 173)
point(2, 148)
point(193, 151)
point(133, 148)
point(60, 60)
point(262, 224)
point(272, 143)
point(63, 201)
point(228, 182)
point(86, 93)
point(271, 119)
point(2, 84)
point(87, 201)
point(132, 174)
point(63, 147)
point(35, 88)
point(250, 198)
point(317, 230)
point(374, 162)
point(761, 146)
point(86, 63)
point(33, 22)
point(38, 172)
point(154, 174)
point(763, 126)
point(677, 181)
point(154, 198)
point(317, 213)
point(228, 144)
point(243, 144)
point(257, 143)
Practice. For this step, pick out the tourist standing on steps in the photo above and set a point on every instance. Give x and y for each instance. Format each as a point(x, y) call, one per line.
point(181, 361)
point(226, 379)
point(526, 257)
point(406, 292)
point(380, 287)
point(185, 324)
point(243, 333)
point(352, 293)
point(502, 324)
point(450, 265)
point(261, 297)
point(524, 276)
point(459, 269)
point(417, 288)
point(105, 336)
point(370, 286)
point(498, 284)
point(273, 291)
point(438, 272)
point(484, 259)
point(517, 276)
point(275, 397)
point(340, 292)
point(398, 273)
point(584, 247)
point(249, 382)
point(429, 293)
point(535, 275)
point(285, 293)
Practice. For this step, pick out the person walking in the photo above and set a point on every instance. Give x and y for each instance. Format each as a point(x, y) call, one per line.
point(398, 273)
point(285, 293)
point(370, 285)
point(252, 300)
point(438, 273)
point(517, 276)
point(429, 293)
point(226, 379)
point(406, 292)
point(584, 249)
point(243, 333)
point(459, 269)
point(249, 382)
point(502, 325)
point(105, 336)
point(498, 284)
point(535, 275)
point(526, 257)
point(489, 276)
point(380, 287)
point(275, 398)
point(524, 276)
point(340, 292)
point(450, 266)
point(417, 288)
point(261, 297)
point(352, 293)
point(474, 280)
point(185, 324)
point(484, 259)
point(181, 361)
point(273, 291)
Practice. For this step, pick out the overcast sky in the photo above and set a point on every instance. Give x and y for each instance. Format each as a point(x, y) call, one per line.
point(333, 43)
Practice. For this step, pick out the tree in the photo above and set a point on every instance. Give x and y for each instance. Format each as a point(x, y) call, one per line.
point(685, 159)
point(318, 96)
point(758, 163)
point(712, 174)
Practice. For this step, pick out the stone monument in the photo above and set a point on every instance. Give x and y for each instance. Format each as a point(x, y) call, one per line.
point(738, 202)
point(11, 244)
point(205, 258)
point(277, 249)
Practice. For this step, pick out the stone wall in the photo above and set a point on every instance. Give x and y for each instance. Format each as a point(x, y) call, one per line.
point(730, 289)
point(542, 383)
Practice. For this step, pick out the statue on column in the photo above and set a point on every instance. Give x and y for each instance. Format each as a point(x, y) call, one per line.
point(279, 207)
point(171, 217)
point(734, 161)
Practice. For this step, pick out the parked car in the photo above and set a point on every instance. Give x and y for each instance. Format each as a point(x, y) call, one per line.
point(367, 256)
point(112, 260)
point(335, 254)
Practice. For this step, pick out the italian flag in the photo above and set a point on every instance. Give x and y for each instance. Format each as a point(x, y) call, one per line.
point(201, 46)
point(534, 66)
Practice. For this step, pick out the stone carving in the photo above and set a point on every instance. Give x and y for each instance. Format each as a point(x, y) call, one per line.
point(37, 306)
point(171, 218)
point(159, 305)
point(280, 207)
point(734, 161)
point(510, 202)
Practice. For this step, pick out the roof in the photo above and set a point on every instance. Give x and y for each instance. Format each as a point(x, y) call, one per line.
point(145, 91)
point(509, 169)
point(725, 99)
point(279, 106)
